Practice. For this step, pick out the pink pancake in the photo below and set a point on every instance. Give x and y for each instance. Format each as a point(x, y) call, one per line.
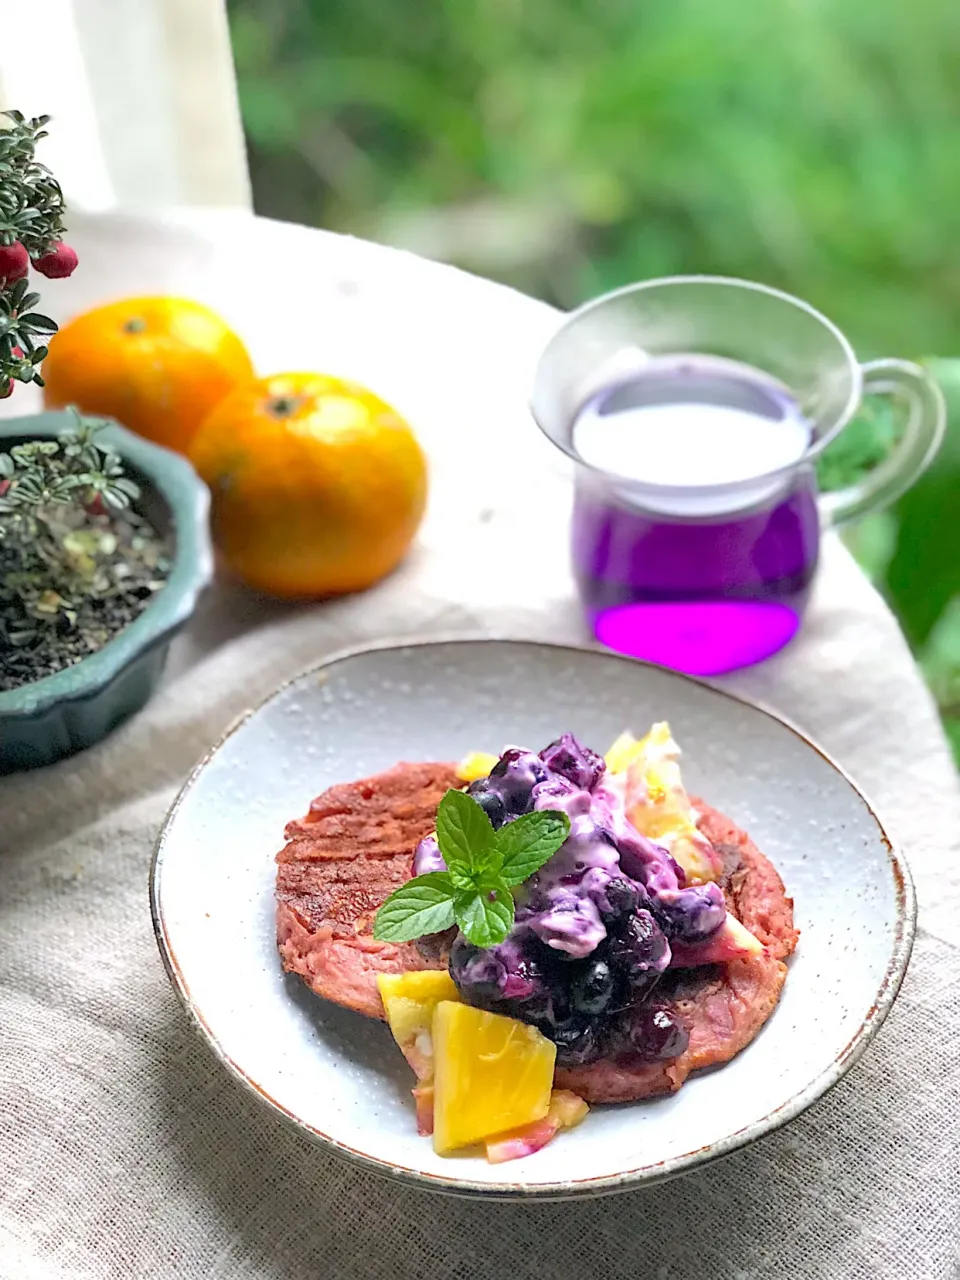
point(356, 845)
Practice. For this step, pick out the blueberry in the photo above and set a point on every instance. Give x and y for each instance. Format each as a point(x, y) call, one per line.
point(640, 952)
point(502, 977)
point(554, 787)
point(592, 988)
point(516, 758)
point(526, 978)
point(577, 1042)
point(508, 758)
point(491, 803)
point(478, 973)
point(693, 914)
point(658, 1034)
point(583, 767)
point(513, 778)
point(620, 897)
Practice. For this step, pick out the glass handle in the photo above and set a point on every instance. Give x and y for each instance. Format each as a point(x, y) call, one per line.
point(923, 429)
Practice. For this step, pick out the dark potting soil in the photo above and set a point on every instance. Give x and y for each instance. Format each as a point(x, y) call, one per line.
point(72, 627)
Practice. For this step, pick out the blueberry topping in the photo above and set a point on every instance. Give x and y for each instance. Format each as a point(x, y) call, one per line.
point(620, 897)
point(678, 871)
point(478, 973)
point(513, 778)
point(658, 1034)
point(502, 977)
point(691, 915)
point(592, 988)
point(577, 1042)
point(502, 767)
point(489, 801)
point(581, 766)
point(640, 951)
point(592, 931)
point(571, 925)
point(552, 788)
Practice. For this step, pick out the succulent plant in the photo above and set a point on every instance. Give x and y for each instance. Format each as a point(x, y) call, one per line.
point(76, 562)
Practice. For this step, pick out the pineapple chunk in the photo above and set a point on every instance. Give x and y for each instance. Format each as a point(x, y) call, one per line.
point(622, 753)
point(566, 1110)
point(492, 1074)
point(476, 765)
point(657, 804)
point(409, 1000)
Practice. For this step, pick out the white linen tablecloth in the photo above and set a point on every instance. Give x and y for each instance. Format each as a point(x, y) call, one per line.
point(126, 1152)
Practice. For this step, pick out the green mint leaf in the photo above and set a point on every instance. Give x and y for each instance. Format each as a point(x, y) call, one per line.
point(487, 880)
point(464, 880)
point(485, 918)
point(528, 842)
point(422, 905)
point(464, 833)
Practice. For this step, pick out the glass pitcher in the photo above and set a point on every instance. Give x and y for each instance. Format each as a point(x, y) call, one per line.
point(695, 409)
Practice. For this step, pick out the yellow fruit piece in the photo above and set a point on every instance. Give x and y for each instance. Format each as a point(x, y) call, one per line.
point(491, 1074)
point(732, 941)
point(565, 1111)
point(621, 753)
point(567, 1108)
point(427, 985)
point(741, 937)
point(475, 766)
point(657, 803)
point(409, 1000)
point(691, 848)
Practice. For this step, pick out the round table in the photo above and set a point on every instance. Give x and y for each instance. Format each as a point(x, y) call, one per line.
point(125, 1151)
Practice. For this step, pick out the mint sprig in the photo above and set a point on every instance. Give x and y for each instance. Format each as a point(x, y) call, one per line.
point(423, 905)
point(465, 835)
point(483, 866)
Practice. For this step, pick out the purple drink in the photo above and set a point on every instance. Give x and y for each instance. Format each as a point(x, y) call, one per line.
point(670, 567)
point(696, 519)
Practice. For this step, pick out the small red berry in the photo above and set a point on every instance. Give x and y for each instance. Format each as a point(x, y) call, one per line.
point(18, 352)
point(6, 390)
point(59, 262)
point(4, 486)
point(14, 262)
point(96, 506)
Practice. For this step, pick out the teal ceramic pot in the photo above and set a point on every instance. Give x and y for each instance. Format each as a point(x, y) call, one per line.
point(50, 718)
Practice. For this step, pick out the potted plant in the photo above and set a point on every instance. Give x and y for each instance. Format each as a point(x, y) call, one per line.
point(103, 536)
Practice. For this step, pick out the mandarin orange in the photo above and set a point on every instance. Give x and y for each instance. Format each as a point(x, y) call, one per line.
point(318, 486)
point(157, 365)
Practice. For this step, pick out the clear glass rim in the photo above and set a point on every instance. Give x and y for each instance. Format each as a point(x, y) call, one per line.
point(810, 454)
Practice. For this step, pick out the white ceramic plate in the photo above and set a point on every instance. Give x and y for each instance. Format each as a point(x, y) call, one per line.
point(339, 1077)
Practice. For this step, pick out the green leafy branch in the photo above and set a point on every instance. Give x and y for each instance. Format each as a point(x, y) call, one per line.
point(31, 201)
point(23, 337)
point(31, 225)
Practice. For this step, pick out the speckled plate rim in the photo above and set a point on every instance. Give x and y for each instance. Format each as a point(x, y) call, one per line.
point(577, 1188)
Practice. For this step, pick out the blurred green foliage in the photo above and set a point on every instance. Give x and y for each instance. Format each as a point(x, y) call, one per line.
point(569, 146)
